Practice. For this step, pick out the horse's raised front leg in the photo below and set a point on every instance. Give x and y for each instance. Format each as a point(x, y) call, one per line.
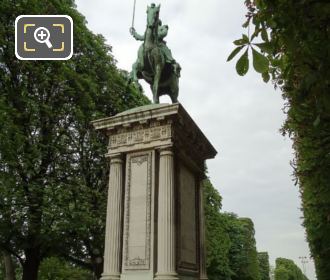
point(134, 72)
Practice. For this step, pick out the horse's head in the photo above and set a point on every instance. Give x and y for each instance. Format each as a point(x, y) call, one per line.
point(153, 15)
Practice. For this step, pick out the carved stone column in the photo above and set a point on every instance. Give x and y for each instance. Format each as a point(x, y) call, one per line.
point(166, 218)
point(112, 251)
point(203, 273)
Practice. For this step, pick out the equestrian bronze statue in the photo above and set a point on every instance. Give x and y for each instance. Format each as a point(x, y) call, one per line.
point(155, 63)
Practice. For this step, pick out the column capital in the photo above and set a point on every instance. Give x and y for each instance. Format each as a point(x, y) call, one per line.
point(115, 158)
point(166, 150)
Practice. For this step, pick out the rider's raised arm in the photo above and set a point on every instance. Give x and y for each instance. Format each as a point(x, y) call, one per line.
point(139, 37)
point(136, 35)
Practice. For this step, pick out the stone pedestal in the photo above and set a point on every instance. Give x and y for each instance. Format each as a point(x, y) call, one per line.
point(155, 220)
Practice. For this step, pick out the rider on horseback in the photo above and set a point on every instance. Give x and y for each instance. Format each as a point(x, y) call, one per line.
point(162, 33)
point(155, 63)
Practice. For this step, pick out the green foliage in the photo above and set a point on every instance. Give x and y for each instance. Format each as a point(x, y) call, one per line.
point(57, 269)
point(294, 37)
point(287, 270)
point(264, 268)
point(242, 65)
point(281, 274)
point(53, 177)
point(217, 239)
point(260, 62)
point(237, 256)
point(234, 52)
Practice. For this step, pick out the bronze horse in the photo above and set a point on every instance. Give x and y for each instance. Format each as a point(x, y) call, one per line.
point(159, 74)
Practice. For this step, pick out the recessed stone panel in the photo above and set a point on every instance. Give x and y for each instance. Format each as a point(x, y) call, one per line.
point(188, 236)
point(137, 226)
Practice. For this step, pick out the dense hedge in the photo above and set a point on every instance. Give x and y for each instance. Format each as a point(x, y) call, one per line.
point(294, 52)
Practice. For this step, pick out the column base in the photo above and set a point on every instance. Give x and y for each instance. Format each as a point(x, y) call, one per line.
point(166, 276)
point(203, 278)
point(110, 276)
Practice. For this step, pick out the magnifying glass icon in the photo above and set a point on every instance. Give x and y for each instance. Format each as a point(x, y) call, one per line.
point(41, 35)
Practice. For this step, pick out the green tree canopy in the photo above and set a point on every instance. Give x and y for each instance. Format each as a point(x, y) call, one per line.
point(217, 237)
point(53, 177)
point(264, 269)
point(287, 269)
point(249, 269)
point(56, 269)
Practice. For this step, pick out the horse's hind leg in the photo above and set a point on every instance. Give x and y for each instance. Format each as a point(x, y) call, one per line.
point(174, 90)
point(174, 99)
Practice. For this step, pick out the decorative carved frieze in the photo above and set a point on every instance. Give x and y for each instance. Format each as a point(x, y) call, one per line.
point(140, 135)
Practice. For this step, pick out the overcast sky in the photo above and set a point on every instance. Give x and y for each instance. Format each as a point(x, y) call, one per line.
point(241, 116)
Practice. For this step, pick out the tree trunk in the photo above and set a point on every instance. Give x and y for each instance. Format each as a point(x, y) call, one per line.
point(97, 267)
point(9, 267)
point(31, 264)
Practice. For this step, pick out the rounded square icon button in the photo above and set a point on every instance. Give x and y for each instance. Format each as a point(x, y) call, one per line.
point(43, 37)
